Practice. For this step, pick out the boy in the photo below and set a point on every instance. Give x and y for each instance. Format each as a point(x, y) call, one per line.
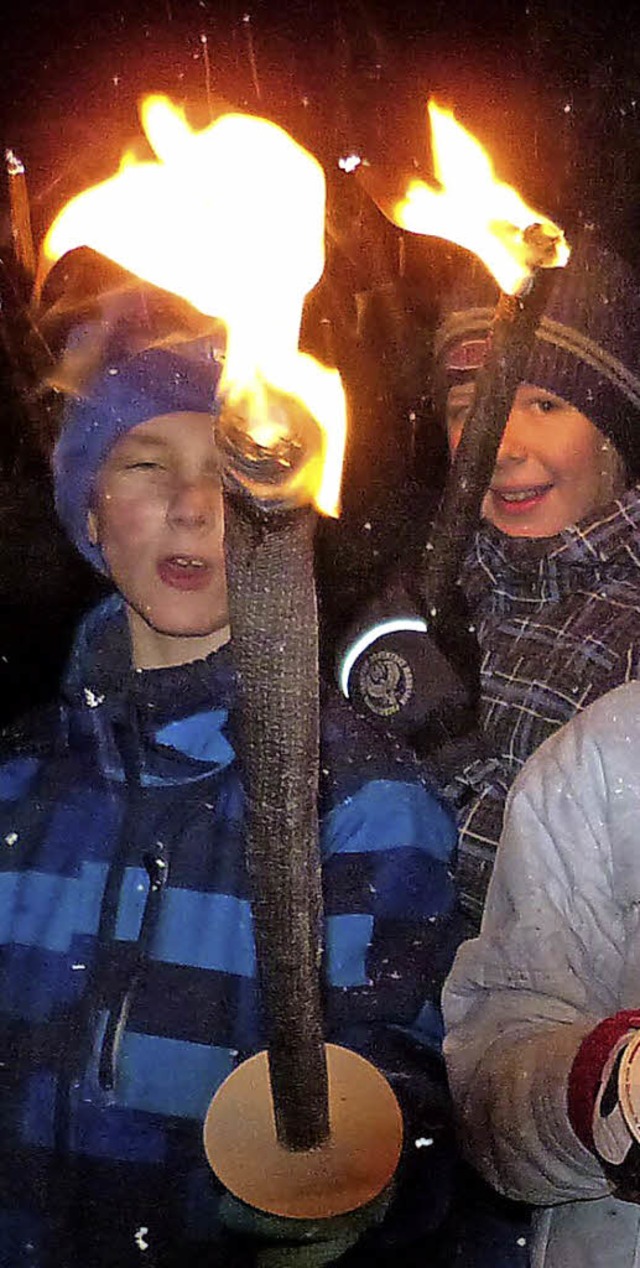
point(551, 581)
point(127, 964)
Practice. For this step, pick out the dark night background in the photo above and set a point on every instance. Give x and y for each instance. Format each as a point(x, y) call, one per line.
point(552, 89)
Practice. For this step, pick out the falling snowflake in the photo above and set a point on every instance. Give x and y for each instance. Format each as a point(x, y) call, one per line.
point(349, 163)
point(93, 698)
point(140, 1236)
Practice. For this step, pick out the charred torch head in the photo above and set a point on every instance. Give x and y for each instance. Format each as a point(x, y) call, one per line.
point(271, 447)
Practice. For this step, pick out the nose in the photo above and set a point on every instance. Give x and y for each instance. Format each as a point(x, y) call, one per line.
point(195, 503)
point(513, 446)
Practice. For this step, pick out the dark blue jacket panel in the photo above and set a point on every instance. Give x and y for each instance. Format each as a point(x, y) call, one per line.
point(127, 961)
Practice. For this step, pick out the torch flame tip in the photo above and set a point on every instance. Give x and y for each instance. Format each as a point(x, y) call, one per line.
point(477, 211)
point(232, 219)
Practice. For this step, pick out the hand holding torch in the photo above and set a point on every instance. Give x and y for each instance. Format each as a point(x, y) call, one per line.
point(521, 248)
point(306, 1129)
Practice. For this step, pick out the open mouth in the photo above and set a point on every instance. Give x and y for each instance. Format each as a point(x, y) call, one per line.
point(184, 572)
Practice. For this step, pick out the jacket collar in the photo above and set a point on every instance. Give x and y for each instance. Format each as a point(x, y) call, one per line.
point(183, 709)
point(607, 538)
point(100, 668)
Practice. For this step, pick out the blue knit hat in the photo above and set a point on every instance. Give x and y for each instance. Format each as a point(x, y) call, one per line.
point(587, 347)
point(158, 381)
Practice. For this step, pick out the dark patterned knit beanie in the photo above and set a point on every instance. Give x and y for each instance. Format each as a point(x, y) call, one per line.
point(587, 348)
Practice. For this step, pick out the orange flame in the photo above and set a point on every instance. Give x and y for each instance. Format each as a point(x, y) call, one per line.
point(231, 218)
point(474, 209)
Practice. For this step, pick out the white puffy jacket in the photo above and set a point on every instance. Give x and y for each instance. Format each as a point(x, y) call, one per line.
point(559, 950)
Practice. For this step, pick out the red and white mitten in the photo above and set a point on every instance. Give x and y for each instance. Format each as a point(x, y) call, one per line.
point(604, 1099)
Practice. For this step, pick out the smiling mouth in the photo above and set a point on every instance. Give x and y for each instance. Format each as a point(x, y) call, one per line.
point(515, 497)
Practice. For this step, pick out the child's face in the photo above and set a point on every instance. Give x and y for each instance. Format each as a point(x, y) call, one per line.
point(158, 519)
point(553, 466)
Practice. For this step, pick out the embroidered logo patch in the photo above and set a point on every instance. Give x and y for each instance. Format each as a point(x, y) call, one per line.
point(385, 682)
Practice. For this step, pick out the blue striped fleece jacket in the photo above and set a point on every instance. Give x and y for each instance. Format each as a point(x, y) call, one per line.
point(100, 1126)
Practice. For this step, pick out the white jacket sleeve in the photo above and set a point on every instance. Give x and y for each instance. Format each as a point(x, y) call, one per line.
point(549, 961)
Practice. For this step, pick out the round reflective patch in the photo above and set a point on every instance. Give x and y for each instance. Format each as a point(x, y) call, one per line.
point(385, 682)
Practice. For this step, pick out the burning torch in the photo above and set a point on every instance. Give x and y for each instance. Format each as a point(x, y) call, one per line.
point(521, 248)
point(232, 219)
